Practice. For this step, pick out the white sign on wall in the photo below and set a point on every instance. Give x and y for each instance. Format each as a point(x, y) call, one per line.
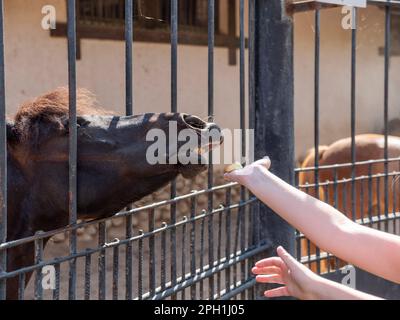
point(351, 3)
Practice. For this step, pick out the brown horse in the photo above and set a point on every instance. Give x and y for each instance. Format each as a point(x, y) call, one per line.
point(112, 167)
point(369, 193)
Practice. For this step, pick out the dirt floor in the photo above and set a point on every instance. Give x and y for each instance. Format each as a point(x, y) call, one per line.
point(88, 238)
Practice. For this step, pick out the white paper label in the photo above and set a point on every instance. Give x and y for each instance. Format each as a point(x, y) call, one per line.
point(351, 3)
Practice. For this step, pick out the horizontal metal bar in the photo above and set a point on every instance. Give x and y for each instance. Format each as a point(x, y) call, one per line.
point(347, 164)
point(346, 180)
point(237, 288)
point(119, 242)
point(314, 258)
point(117, 215)
point(234, 259)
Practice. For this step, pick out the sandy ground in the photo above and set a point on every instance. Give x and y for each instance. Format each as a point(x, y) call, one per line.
point(140, 281)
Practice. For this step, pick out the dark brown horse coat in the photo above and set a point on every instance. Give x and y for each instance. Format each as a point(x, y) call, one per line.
point(112, 167)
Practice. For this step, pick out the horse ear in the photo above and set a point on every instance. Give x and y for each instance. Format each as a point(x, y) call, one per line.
point(12, 134)
point(80, 121)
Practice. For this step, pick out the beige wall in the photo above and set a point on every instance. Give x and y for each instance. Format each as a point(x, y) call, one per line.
point(36, 62)
point(335, 76)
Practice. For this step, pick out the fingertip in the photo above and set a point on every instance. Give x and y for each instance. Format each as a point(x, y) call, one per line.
point(227, 176)
point(280, 250)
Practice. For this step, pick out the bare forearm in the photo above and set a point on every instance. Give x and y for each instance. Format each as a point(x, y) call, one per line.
point(304, 212)
point(329, 228)
point(330, 290)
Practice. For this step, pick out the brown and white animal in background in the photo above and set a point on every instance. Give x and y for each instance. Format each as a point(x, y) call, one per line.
point(367, 147)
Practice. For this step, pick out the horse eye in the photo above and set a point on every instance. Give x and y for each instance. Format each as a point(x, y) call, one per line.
point(82, 122)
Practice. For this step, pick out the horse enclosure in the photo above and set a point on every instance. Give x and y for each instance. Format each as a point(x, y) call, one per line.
point(195, 245)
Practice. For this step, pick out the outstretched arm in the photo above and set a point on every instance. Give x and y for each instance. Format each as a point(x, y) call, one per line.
point(372, 250)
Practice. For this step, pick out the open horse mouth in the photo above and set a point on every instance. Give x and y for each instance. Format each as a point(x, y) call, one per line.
point(210, 137)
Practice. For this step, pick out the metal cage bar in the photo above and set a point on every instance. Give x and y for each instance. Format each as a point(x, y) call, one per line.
point(174, 108)
point(72, 194)
point(210, 112)
point(3, 158)
point(214, 271)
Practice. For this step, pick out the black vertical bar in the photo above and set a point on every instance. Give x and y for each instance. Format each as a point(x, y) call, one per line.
point(345, 209)
point(102, 261)
point(193, 245)
point(378, 196)
point(163, 256)
point(140, 266)
point(128, 111)
point(228, 196)
point(353, 116)
point(326, 190)
point(21, 286)
point(72, 195)
point(242, 209)
point(202, 253)
point(211, 33)
point(219, 252)
point(174, 108)
point(362, 200)
point(388, 17)
point(316, 115)
point(152, 261)
point(370, 194)
point(56, 292)
point(88, 266)
point(183, 256)
point(128, 56)
point(251, 102)
point(297, 232)
point(115, 275)
point(273, 102)
point(308, 242)
point(3, 158)
point(38, 276)
point(128, 259)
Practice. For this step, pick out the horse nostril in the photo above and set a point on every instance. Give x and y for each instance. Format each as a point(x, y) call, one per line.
point(194, 122)
point(216, 130)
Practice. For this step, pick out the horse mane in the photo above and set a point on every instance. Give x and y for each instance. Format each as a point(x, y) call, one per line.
point(50, 109)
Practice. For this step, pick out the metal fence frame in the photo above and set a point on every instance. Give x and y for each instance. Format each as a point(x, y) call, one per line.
point(257, 229)
point(365, 281)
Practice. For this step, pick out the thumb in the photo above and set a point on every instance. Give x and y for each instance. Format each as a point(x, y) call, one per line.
point(291, 262)
point(266, 162)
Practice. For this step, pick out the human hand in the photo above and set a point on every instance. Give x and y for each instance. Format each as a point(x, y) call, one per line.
point(248, 173)
point(297, 280)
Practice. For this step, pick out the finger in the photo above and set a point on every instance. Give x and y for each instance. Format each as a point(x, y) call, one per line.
point(272, 261)
point(291, 262)
point(266, 162)
point(270, 278)
point(266, 270)
point(277, 292)
point(230, 177)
